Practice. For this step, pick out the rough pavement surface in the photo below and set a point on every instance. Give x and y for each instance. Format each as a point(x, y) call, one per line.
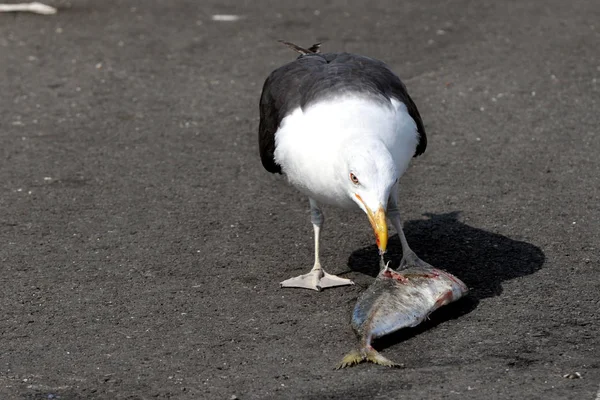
point(141, 241)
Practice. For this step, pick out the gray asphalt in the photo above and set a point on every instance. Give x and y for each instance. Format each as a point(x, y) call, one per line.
point(141, 242)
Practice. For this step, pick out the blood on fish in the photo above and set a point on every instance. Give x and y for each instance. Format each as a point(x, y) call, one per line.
point(389, 273)
point(446, 298)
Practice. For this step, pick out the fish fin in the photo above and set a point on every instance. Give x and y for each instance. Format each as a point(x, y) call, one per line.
point(369, 354)
point(375, 357)
point(351, 359)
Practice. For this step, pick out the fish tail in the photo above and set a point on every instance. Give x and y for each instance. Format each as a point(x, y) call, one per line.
point(351, 359)
point(355, 357)
point(376, 358)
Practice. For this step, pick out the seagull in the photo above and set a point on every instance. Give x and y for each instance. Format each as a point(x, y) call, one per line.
point(342, 129)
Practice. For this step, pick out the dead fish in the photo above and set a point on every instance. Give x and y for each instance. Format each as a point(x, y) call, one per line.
point(398, 300)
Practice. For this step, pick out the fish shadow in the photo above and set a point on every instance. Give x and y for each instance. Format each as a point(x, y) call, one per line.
point(482, 260)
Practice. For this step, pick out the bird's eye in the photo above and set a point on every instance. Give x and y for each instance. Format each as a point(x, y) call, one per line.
point(353, 178)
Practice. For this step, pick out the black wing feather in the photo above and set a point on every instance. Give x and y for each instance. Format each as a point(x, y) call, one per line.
point(281, 93)
point(269, 122)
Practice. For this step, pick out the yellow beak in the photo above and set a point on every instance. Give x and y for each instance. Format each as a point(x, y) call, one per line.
point(379, 228)
point(379, 225)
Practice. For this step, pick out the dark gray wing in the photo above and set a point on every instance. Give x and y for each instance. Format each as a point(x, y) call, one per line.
point(281, 94)
point(313, 77)
point(269, 122)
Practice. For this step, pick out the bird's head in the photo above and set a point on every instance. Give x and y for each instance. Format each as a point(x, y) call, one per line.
point(370, 175)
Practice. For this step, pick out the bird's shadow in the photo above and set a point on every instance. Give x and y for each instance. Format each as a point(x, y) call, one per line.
point(481, 259)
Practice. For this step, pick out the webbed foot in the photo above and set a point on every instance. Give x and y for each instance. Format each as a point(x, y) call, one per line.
point(317, 279)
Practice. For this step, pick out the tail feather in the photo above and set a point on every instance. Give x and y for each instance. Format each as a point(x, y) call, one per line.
point(315, 48)
point(368, 354)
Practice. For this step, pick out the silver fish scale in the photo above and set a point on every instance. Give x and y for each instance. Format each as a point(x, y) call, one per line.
point(390, 304)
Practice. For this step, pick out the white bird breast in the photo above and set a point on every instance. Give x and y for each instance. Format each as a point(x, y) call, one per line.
point(308, 142)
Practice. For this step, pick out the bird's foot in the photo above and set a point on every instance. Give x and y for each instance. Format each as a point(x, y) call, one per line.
point(317, 279)
point(410, 259)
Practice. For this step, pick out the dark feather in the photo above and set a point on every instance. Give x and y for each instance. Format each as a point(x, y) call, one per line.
point(314, 49)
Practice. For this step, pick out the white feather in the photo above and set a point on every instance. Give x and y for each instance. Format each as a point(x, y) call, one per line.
point(310, 143)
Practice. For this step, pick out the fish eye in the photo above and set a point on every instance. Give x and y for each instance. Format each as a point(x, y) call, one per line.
point(353, 178)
